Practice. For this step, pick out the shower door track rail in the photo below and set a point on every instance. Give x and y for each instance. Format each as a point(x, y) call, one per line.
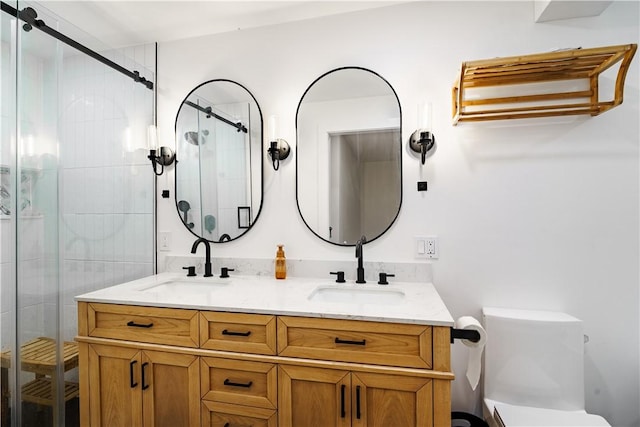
point(208, 111)
point(29, 15)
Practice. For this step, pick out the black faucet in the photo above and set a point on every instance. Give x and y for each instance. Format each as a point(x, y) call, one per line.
point(207, 259)
point(360, 270)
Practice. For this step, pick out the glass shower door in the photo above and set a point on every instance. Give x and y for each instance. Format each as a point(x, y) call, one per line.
point(77, 205)
point(7, 220)
point(39, 371)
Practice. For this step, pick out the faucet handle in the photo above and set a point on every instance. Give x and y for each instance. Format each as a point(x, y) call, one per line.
point(224, 272)
point(191, 270)
point(340, 274)
point(383, 278)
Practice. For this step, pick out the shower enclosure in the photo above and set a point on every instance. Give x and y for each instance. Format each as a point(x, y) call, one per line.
point(76, 198)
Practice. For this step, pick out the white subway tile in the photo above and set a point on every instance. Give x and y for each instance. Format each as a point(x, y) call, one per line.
point(108, 241)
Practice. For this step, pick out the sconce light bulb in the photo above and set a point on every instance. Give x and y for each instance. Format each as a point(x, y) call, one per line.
point(425, 116)
point(152, 137)
point(273, 128)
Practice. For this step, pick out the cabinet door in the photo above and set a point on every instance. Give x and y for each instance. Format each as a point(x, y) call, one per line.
point(170, 389)
point(115, 395)
point(381, 400)
point(313, 397)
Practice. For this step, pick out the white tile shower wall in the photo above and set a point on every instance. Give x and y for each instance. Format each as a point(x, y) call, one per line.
point(31, 250)
point(107, 181)
point(7, 257)
point(515, 204)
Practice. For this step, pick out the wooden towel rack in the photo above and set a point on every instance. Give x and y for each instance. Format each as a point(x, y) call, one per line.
point(536, 85)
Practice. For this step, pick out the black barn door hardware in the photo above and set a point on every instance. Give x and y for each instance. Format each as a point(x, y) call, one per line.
point(29, 16)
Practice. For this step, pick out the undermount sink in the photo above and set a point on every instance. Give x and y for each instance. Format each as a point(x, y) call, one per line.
point(186, 286)
point(355, 295)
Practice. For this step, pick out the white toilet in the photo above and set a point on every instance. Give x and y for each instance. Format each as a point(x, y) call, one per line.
point(534, 370)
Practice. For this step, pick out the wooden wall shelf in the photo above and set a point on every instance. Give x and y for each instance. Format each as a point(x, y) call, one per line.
point(557, 83)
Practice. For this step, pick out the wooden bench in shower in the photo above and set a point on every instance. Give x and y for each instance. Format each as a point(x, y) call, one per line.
point(39, 356)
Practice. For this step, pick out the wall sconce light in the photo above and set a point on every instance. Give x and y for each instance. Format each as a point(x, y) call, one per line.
point(423, 141)
point(278, 148)
point(163, 156)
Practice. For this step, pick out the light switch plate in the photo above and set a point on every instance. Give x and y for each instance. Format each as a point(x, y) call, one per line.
point(426, 247)
point(164, 240)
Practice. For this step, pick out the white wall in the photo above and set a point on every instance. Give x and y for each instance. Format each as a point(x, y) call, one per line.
point(532, 214)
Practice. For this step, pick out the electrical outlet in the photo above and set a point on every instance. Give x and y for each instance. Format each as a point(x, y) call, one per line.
point(426, 247)
point(164, 240)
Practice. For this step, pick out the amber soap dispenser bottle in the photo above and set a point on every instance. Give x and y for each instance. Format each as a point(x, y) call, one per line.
point(281, 263)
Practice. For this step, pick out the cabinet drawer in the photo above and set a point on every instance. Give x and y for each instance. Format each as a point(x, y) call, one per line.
point(144, 324)
point(240, 382)
point(243, 333)
point(216, 414)
point(355, 341)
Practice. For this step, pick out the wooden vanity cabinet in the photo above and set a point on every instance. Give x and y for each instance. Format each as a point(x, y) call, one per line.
point(235, 369)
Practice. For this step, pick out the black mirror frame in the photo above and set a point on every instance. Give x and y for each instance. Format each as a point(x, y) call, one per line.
point(399, 150)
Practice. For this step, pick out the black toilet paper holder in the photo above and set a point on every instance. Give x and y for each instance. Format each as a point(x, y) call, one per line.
point(465, 334)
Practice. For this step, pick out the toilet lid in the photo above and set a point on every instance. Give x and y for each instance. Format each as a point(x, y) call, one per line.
point(525, 416)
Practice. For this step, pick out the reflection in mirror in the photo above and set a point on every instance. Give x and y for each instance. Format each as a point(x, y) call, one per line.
point(219, 169)
point(348, 156)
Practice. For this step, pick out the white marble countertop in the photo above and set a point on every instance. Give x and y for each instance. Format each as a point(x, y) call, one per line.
point(401, 302)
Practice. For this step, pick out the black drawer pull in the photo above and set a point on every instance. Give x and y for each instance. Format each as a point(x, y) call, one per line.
point(238, 334)
point(132, 383)
point(342, 411)
point(230, 383)
point(139, 325)
point(358, 402)
point(339, 341)
point(144, 386)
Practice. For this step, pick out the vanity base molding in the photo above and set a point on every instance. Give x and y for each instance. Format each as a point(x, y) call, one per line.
point(124, 382)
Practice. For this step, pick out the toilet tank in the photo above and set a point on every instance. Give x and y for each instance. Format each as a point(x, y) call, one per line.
point(534, 358)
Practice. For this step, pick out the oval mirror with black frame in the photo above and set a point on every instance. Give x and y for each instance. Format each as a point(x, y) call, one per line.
point(349, 156)
point(219, 160)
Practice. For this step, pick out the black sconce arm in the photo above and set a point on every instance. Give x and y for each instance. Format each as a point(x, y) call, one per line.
point(164, 156)
point(422, 141)
point(278, 150)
